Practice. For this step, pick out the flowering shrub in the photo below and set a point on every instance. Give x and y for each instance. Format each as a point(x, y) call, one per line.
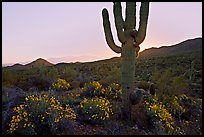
point(40, 114)
point(174, 107)
point(157, 110)
point(183, 98)
point(95, 110)
point(92, 89)
point(60, 85)
point(113, 91)
point(21, 121)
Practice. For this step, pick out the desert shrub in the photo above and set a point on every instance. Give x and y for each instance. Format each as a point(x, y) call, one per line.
point(74, 84)
point(163, 84)
point(178, 85)
point(42, 83)
point(143, 84)
point(52, 74)
point(68, 74)
point(72, 99)
point(190, 122)
point(175, 107)
point(45, 78)
point(9, 77)
point(109, 76)
point(113, 91)
point(60, 85)
point(92, 89)
point(21, 121)
point(167, 84)
point(187, 114)
point(192, 100)
point(40, 115)
point(95, 110)
point(156, 110)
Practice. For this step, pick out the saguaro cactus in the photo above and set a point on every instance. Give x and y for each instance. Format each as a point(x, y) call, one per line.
point(130, 39)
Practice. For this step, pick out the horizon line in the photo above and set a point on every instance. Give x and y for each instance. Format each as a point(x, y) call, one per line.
point(27, 62)
point(88, 60)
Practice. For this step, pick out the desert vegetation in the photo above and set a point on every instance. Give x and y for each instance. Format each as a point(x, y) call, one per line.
point(85, 98)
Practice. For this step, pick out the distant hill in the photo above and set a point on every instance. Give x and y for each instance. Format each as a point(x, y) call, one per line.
point(17, 66)
point(37, 63)
point(187, 46)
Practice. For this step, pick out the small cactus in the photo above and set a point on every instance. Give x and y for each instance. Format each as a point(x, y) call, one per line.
point(152, 89)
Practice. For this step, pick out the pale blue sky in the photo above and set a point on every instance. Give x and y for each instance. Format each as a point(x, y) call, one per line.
point(69, 32)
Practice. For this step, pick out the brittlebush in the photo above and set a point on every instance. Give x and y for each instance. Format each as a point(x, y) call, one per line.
point(39, 112)
point(95, 110)
point(60, 85)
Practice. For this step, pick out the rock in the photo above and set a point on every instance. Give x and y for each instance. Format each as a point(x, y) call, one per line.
point(13, 92)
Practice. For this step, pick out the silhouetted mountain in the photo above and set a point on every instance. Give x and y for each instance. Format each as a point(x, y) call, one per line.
point(17, 66)
point(187, 46)
point(38, 63)
point(191, 45)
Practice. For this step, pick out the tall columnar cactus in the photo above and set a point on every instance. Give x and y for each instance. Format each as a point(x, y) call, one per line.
point(130, 39)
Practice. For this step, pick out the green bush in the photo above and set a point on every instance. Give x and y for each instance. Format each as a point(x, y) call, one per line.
point(71, 99)
point(109, 75)
point(44, 78)
point(167, 84)
point(74, 84)
point(68, 74)
point(9, 77)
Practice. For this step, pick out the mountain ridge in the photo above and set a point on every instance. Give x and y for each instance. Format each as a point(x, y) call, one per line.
point(187, 46)
point(36, 63)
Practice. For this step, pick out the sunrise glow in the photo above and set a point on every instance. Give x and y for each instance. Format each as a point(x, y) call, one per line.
point(70, 32)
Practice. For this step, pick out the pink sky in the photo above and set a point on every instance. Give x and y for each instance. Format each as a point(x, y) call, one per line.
point(70, 32)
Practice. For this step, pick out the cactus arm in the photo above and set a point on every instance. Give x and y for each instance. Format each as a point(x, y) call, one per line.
point(144, 12)
point(108, 33)
point(130, 20)
point(119, 21)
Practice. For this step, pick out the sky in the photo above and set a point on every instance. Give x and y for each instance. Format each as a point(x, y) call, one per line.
point(73, 31)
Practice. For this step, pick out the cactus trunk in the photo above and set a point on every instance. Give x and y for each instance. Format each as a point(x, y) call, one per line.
point(127, 80)
point(130, 39)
